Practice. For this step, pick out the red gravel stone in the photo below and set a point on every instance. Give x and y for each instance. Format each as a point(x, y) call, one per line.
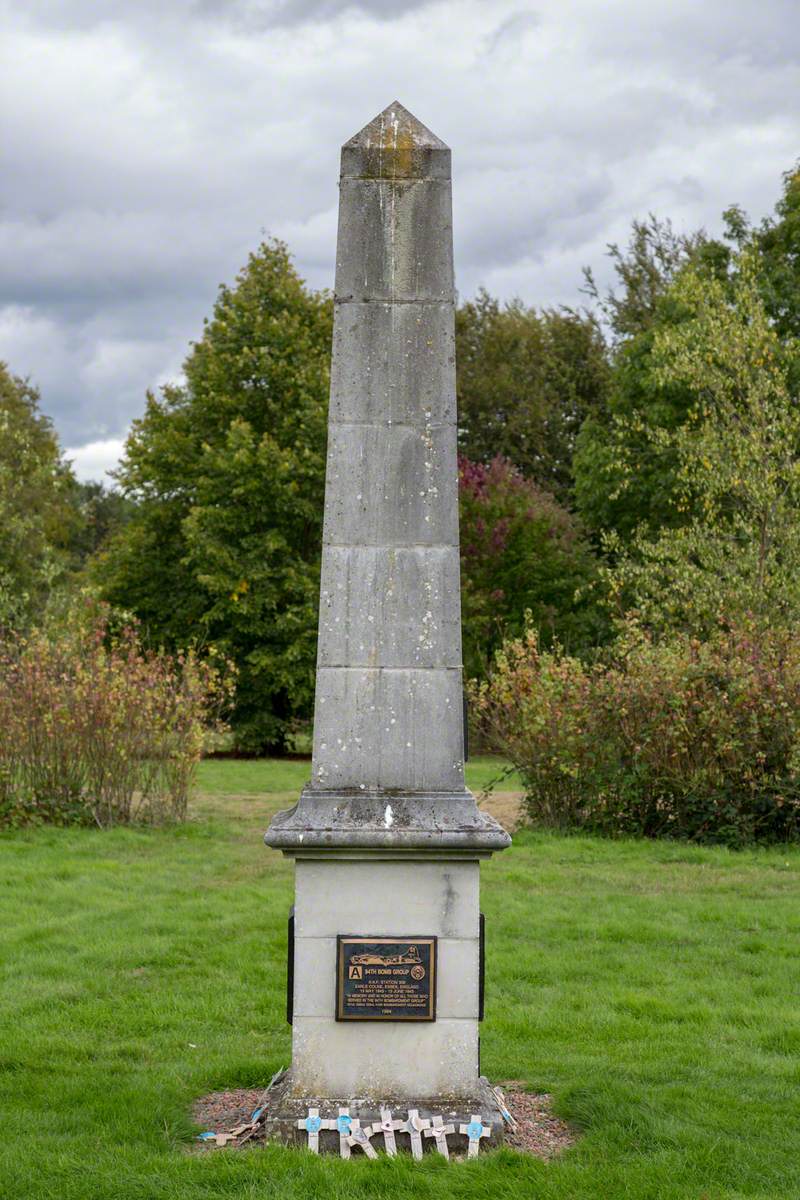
point(538, 1131)
point(221, 1111)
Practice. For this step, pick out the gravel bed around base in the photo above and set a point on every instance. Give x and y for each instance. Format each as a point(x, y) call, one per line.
point(221, 1111)
point(538, 1131)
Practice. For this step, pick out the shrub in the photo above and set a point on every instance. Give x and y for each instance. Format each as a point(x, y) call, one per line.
point(95, 729)
point(520, 549)
point(678, 738)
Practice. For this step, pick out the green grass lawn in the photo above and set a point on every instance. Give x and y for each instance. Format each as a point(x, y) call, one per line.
point(244, 776)
point(653, 988)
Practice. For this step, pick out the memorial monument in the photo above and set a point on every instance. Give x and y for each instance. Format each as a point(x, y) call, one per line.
point(386, 955)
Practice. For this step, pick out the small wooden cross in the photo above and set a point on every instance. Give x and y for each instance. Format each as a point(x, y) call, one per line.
point(312, 1125)
point(344, 1125)
point(475, 1131)
point(414, 1127)
point(501, 1100)
point(360, 1137)
point(387, 1126)
point(440, 1132)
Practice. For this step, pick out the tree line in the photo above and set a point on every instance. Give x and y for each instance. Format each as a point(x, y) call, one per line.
point(635, 458)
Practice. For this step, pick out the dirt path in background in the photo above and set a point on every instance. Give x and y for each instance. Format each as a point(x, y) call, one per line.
point(506, 807)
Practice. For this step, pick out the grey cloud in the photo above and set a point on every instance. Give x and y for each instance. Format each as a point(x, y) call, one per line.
point(511, 28)
point(271, 14)
point(241, 14)
point(152, 145)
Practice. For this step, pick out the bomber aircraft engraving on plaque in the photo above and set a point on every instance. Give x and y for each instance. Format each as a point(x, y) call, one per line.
point(385, 978)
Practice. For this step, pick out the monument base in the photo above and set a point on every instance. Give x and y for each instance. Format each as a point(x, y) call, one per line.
point(386, 961)
point(386, 820)
point(286, 1112)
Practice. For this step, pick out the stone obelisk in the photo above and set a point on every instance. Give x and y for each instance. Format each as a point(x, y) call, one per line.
point(386, 837)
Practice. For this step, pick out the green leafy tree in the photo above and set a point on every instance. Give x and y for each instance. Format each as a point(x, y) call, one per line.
point(227, 471)
point(37, 517)
point(526, 381)
point(620, 483)
point(644, 302)
point(735, 460)
point(101, 511)
point(656, 252)
point(521, 551)
point(777, 243)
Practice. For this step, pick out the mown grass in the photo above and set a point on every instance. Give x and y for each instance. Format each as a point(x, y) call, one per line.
point(651, 987)
point(252, 776)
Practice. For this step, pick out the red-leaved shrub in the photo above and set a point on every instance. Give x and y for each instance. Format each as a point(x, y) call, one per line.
point(520, 550)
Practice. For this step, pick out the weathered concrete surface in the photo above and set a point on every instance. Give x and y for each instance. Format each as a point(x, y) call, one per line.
point(370, 607)
point(388, 710)
point(438, 898)
point(395, 241)
point(348, 823)
point(388, 727)
point(414, 1060)
point(393, 363)
point(387, 485)
point(395, 145)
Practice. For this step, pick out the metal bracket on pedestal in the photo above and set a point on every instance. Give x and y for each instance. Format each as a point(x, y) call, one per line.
point(290, 968)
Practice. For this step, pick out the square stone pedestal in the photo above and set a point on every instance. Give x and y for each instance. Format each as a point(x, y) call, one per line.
point(403, 867)
point(398, 898)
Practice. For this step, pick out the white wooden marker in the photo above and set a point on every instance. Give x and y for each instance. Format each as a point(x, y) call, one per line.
point(387, 1126)
point(414, 1127)
point(312, 1125)
point(475, 1131)
point(440, 1132)
point(360, 1137)
point(501, 1100)
point(344, 1124)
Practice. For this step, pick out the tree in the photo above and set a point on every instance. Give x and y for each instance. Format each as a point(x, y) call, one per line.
point(645, 269)
point(37, 518)
point(526, 381)
point(521, 551)
point(776, 241)
point(227, 471)
point(102, 510)
point(621, 484)
point(735, 460)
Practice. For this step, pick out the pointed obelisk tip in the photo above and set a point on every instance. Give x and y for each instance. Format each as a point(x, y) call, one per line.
point(395, 145)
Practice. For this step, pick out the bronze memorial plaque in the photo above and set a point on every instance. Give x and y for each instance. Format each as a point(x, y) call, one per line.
point(385, 978)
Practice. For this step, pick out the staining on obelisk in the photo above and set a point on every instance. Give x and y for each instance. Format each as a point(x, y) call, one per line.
point(386, 837)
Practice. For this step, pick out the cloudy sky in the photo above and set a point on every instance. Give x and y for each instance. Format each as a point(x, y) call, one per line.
point(148, 145)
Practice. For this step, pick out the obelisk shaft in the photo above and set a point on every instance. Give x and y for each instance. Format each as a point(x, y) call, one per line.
point(388, 697)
